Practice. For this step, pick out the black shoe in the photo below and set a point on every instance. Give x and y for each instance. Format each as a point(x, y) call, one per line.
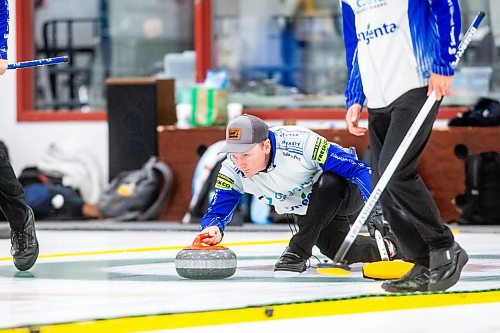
point(24, 244)
point(445, 267)
point(290, 262)
point(417, 279)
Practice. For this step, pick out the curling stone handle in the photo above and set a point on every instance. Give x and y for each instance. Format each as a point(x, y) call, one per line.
point(199, 238)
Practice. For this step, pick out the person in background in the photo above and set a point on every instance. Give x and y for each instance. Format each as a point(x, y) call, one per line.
point(24, 248)
point(398, 52)
point(320, 184)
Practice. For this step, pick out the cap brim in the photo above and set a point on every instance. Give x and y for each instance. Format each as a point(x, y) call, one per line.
point(236, 147)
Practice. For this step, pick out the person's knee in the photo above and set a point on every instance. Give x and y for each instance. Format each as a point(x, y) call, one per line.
point(332, 182)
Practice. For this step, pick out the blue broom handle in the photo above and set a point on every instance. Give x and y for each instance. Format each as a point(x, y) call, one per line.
point(38, 62)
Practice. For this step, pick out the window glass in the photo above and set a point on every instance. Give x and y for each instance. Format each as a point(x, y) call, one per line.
point(103, 38)
point(280, 47)
point(284, 48)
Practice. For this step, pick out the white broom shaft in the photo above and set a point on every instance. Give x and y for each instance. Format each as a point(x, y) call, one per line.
point(381, 246)
point(398, 156)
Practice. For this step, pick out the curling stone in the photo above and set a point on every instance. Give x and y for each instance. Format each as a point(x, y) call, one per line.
point(203, 262)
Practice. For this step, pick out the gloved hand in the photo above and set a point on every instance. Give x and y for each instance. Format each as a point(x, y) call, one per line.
point(376, 221)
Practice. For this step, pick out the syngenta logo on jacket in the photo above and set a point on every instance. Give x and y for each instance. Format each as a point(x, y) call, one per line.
point(376, 32)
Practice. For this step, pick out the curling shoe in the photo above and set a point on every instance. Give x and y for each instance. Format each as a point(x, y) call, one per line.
point(24, 248)
point(289, 264)
point(445, 267)
point(417, 279)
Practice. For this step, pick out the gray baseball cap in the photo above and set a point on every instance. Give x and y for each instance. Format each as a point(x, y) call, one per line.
point(244, 132)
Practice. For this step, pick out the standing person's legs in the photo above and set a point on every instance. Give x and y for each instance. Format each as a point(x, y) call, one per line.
point(12, 201)
point(21, 219)
point(411, 243)
point(419, 227)
point(406, 188)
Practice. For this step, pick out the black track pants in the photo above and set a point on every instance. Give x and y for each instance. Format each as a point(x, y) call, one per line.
point(12, 201)
point(407, 204)
point(333, 201)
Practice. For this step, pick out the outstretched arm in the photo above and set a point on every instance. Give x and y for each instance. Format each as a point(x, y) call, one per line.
point(228, 192)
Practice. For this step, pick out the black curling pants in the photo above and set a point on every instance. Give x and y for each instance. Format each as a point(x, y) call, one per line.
point(334, 200)
point(12, 201)
point(407, 203)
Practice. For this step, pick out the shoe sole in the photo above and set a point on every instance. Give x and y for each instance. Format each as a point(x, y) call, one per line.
point(286, 274)
point(390, 289)
point(442, 285)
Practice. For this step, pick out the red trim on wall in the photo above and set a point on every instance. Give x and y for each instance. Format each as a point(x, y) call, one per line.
point(24, 51)
point(49, 115)
point(24, 77)
point(203, 37)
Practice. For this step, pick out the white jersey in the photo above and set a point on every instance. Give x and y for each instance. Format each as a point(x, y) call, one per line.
point(298, 158)
point(392, 46)
point(288, 181)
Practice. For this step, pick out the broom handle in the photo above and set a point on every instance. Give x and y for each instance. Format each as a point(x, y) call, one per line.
point(38, 62)
point(403, 147)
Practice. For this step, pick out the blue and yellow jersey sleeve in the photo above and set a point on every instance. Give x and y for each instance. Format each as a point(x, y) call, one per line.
point(228, 192)
point(332, 157)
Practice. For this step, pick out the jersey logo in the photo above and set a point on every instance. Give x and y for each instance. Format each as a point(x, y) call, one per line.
point(320, 150)
point(233, 133)
point(376, 32)
point(223, 182)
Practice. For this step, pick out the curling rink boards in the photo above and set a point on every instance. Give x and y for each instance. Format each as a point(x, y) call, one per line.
point(125, 281)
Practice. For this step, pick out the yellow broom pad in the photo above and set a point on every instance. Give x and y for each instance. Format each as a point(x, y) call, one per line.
point(386, 270)
point(333, 271)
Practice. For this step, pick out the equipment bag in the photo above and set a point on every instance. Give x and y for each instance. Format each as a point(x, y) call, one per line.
point(139, 194)
point(204, 178)
point(486, 112)
point(480, 202)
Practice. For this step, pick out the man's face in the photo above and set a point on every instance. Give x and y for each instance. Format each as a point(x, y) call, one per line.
point(253, 160)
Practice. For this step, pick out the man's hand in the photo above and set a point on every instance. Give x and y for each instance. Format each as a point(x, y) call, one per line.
point(214, 233)
point(3, 66)
point(376, 221)
point(352, 118)
point(440, 84)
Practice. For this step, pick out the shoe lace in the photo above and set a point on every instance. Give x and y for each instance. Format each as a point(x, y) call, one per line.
point(309, 264)
point(17, 240)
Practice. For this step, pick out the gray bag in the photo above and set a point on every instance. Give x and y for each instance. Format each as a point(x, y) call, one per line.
point(138, 195)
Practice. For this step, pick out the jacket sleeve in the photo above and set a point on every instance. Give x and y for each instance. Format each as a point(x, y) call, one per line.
point(228, 192)
point(4, 28)
point(332, 157)
point(354, 89)
point(344, 164)
point(446, 14)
